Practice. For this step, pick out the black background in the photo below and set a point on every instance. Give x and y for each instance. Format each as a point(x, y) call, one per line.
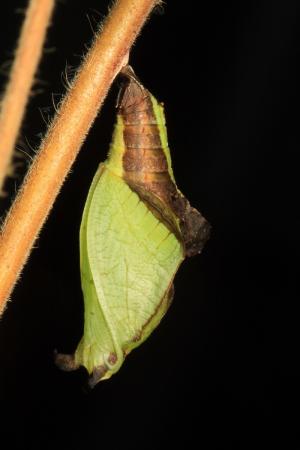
point(221, 371)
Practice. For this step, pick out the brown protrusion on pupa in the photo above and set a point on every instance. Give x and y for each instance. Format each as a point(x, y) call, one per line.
point(195, 231)
point(194, 227)
point(65, 362)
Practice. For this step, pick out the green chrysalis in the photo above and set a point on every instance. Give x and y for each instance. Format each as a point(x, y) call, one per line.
point(136, 230)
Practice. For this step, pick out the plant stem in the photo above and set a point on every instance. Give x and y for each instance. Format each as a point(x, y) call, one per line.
point(65, 136)
point(28, 53)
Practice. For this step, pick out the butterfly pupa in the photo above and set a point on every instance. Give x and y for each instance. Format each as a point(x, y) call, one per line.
point(136, 229)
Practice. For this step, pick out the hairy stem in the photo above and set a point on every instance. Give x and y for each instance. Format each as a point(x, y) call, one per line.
point(65, 136)
point(28, 53)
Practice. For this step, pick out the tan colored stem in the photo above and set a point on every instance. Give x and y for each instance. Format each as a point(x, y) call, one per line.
point(65, 136)
point(26, 60)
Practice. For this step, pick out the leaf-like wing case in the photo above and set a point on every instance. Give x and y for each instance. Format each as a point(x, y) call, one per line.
point(128, 261)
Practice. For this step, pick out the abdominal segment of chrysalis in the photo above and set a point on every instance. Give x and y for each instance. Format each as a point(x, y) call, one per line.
point(136, 230)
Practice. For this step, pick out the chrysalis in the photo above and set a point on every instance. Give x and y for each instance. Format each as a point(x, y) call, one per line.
point(136, 230)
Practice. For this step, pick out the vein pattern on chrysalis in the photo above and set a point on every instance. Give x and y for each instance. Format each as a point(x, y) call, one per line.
point(137, 228)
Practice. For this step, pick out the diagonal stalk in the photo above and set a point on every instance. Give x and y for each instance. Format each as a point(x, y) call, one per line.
point(28, 53)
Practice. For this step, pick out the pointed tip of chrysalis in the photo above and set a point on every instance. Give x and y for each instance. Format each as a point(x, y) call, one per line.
point(132, 92)
point(97, 375)
point(65, 362)
point(69, 363)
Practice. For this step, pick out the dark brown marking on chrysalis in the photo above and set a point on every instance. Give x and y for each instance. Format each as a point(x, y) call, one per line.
point(96, 375)
point(194, 227)
point(146, 169)
point(65, 362)
point(101, 370)
point(165, 300)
